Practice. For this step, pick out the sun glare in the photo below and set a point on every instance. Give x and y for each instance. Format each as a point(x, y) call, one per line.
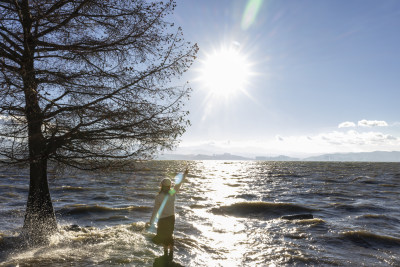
point(225, 72)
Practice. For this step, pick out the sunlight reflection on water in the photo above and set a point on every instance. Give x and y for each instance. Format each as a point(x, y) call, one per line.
point(228, 214)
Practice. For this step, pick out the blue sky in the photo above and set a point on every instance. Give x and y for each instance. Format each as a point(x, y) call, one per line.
point(325, 77)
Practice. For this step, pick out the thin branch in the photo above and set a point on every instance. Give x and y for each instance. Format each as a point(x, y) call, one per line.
point(73, 15)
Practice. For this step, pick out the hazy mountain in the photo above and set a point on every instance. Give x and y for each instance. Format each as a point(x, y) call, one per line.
point(225, 156)
point(277, 158)
point(376, 156)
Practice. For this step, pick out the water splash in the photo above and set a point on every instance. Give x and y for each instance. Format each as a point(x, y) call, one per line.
point(84, 246)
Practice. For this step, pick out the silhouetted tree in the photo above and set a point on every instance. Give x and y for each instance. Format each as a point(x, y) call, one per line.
point(86, 83)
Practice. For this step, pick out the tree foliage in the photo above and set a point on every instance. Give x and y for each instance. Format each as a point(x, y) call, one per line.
point(87, 83)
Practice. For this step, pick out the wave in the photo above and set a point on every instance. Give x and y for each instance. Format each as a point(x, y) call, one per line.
point(14, 213)
point(84, 209)
point(15, 190)
point(198, 198)
point(313, 222)
point(257, 208)
point(306, 216)
point(233, 185)
point(197, 206)
point(246, 196)
point(73, 188)
point(113, 218)
point(385, 218)
point(388, 185)
point(358, 208)
point(144, 195)
point(367, 239)
point(288, 175)
point(366, 180)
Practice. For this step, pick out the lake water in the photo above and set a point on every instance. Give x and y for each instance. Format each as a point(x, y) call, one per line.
point(229, 213)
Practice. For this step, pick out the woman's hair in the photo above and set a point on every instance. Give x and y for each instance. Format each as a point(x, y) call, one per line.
point(164, 189)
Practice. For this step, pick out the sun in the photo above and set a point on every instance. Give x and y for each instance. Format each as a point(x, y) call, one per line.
point(225, 72)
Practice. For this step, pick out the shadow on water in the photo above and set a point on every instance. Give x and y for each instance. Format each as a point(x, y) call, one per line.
point(164, 261)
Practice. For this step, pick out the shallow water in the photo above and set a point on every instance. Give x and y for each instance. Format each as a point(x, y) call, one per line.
point(228, 214)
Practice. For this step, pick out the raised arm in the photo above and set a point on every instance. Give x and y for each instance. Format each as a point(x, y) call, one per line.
point(178, 185)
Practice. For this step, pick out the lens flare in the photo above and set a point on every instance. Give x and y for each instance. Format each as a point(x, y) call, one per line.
point(179, 178)
point(250, 13)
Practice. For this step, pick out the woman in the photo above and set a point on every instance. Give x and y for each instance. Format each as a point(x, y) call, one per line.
point(164, 212)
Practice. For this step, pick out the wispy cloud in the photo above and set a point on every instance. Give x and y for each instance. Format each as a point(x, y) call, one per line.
point(347, 124)
point(363, 123)
point(367, 123)
point(353, 137)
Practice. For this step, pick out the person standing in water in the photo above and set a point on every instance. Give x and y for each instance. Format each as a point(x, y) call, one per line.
point(164, 211)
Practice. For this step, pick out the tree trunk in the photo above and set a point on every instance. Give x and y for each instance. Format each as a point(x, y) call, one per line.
point(40, 219)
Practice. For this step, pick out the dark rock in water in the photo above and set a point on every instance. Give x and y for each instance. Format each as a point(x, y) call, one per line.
point(73, 227)
point(298, 217)
point(164, 261)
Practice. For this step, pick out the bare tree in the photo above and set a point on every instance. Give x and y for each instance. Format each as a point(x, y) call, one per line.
point(87, 83)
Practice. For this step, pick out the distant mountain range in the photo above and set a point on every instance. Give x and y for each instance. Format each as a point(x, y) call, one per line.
point(376, 156)
point(225, 156)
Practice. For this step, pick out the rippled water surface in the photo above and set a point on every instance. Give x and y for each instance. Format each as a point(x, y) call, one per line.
point(240, 213)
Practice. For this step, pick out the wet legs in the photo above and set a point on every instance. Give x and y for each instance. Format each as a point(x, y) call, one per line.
point(171, 251)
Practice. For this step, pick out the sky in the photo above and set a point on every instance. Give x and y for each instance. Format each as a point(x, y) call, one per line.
point(299, 77)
